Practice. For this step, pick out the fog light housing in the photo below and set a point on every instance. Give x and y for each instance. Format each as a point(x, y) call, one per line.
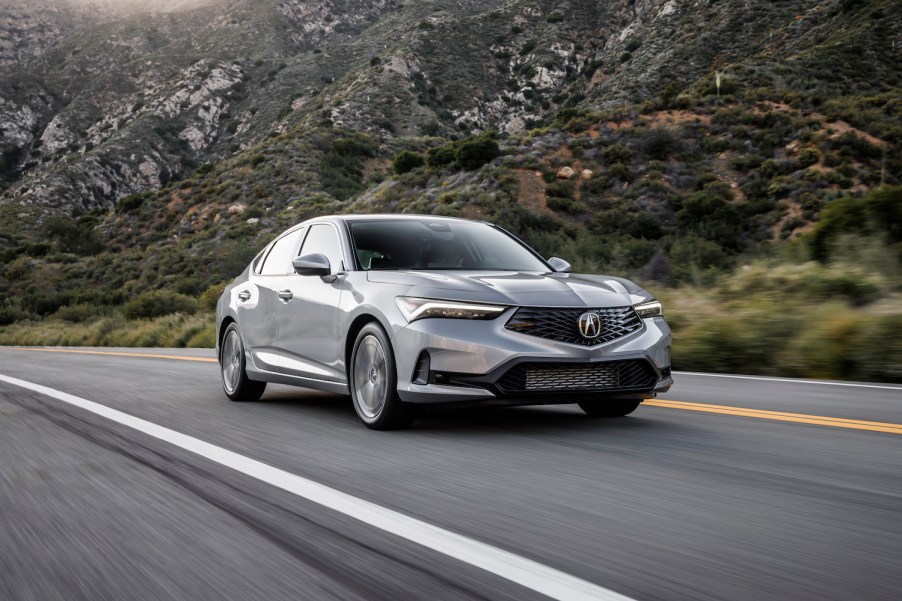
point(421, 371)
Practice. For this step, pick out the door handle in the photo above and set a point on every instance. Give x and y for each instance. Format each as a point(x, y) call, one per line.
point(244, 295)
point(286, 295)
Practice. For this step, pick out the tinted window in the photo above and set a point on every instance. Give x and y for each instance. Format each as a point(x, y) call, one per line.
point(278, 261)
point(323, 239)
point(439, 245)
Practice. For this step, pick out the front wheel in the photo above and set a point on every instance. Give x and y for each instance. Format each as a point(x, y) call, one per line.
point(612, 408)
point(374, 382)
point(232, 366)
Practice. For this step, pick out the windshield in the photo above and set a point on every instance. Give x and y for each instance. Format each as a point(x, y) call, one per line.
point(439, 245)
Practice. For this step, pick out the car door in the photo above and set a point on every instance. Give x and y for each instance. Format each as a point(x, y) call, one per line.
point(258, 301)
point(310, 342)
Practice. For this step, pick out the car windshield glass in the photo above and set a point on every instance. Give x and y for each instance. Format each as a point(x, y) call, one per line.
point(439, 245)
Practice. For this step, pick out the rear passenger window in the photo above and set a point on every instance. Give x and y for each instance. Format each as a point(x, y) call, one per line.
point(278, 261)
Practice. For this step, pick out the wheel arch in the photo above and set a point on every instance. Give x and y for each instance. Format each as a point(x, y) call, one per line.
point(222, 328)
point(354, 329)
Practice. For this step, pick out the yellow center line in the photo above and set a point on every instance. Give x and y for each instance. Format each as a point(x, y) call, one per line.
point(799, 418)
point(782, 416)
point(112, 353)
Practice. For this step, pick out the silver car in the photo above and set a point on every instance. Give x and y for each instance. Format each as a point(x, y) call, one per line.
point(406, 311)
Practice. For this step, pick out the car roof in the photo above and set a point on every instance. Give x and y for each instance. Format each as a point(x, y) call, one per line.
point(392, 216)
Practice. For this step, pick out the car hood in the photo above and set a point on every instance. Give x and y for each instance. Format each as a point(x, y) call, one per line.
point(516, 288)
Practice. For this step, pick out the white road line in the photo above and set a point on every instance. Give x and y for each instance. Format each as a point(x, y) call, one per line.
point(788, 380)
point(525, 572)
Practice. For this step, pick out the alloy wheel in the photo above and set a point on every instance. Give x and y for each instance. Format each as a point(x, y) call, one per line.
point(370, 377)
point(231, 361)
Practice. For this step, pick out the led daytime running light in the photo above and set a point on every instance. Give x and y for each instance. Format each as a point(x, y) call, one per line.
point(649, 309)
point(421, 308)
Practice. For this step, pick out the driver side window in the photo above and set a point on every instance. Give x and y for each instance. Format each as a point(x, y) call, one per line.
point(323, 239)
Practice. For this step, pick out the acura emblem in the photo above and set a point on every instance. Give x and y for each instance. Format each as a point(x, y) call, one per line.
point(589, 325)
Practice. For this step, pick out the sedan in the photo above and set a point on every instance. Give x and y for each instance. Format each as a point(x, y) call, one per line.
point(406, 311)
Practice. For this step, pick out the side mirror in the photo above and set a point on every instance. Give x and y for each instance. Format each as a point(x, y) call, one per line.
point(560, 265)
point(312, 264)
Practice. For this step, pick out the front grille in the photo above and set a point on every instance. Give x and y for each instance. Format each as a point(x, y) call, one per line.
point(561, 324)
point(630, 374)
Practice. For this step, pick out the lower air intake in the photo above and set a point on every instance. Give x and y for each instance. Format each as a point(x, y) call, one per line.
point(609, 376)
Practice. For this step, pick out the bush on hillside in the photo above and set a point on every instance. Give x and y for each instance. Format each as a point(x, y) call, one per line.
point(157, 304)
point(476, 152)
point(880, 213)
point(440, 156)
point(407, 160)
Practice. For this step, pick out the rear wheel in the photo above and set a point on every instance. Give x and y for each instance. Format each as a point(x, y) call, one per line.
point(235, 383)
point(374, 382)
point(612, 408)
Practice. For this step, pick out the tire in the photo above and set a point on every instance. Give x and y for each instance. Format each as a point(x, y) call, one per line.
point(612, 408)
point(374, 382)
point(232, 368)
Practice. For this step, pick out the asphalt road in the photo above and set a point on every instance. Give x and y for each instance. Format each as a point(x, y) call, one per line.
point(672, 502)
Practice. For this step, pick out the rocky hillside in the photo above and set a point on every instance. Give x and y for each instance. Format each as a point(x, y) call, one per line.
point(101, 100)
point(31, 26)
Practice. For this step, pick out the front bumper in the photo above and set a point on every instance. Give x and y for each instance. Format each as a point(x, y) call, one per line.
point(469, 360)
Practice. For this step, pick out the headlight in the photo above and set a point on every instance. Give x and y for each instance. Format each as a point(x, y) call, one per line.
point(649, 309)
point(421, 308)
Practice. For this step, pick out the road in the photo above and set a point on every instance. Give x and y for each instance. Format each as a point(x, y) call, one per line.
point(727, 489)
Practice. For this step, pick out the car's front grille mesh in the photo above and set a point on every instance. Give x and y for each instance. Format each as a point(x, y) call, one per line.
point(630, 374)
point(562, 324)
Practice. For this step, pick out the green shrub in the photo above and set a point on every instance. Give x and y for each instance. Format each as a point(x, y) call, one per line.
point(880, 212)
point(566, 205)
point(822, 349)
point(209, 297)
point(203, 338)
point(252, 212)
point(660, 143)
point(476, 152)
point(707, 214)
point(742, 342)
point(440, 156)
point(77, 313)
point(78, 237)
point(407, 160)
point(561, 188)
point(809, 281)
point(10, 313)
point(617, 153)
point(694, 259)
point(809, 156)
point(876, 355)
point(157, 304)
point(133, 201)
point(620, 172)
point(747, 162)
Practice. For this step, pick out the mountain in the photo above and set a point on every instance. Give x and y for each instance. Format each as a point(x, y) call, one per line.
point(101, 99)
point(160, 144)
